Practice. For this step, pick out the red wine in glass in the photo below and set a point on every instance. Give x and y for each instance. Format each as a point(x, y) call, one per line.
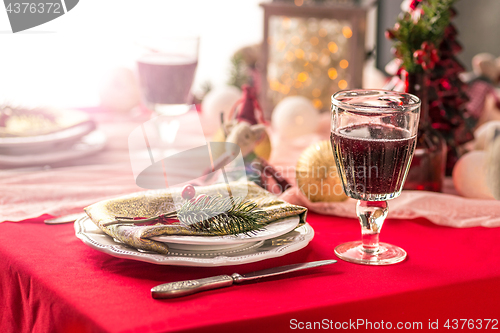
point(166, 79)
point(373, 140)
point(373, 159)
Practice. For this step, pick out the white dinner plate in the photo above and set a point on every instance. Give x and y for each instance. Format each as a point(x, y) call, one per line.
point(86, 145)
point(248, 252)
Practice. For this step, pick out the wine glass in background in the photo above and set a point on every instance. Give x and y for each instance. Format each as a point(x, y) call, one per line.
point(166, 69)
point(373, 137)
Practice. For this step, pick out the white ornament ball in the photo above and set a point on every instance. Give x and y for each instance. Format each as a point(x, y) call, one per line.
point(221, 99)
point(295, 116)
point(485, 134)
point(493, 162)
point(470, 176)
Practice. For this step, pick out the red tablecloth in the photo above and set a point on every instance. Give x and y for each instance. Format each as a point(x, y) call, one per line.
point(51, 282)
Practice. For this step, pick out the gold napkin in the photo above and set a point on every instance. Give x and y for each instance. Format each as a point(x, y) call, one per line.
point(158, 202)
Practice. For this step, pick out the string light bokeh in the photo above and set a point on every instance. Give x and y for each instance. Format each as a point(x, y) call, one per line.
point(308, 57)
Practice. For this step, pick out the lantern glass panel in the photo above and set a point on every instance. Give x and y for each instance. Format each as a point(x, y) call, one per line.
point(308, 57)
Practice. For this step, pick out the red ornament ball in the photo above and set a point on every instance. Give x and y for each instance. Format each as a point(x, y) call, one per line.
point(188, 192)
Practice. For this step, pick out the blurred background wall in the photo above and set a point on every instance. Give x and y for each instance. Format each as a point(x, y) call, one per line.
point(65, 61)
point(478, 24)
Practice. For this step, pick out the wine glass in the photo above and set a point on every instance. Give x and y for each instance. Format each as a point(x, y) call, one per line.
point(373, 137)
point(166, 69)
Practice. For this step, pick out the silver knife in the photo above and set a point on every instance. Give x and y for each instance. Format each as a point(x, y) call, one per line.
point(188, 287)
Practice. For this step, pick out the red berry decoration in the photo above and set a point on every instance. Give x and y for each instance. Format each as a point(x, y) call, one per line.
point(426, 46)
point(389, 34)
point(414, 4)
point(419, 56)
point(434, 55)
point(188, 192)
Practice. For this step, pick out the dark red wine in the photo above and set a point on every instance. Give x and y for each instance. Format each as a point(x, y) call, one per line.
point(166, 79)
point(372, 159)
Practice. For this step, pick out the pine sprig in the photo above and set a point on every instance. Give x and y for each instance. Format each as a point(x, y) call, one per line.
point(221, 216)
point(214, 214)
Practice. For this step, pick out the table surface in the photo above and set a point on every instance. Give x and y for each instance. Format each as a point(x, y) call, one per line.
point(50, 281)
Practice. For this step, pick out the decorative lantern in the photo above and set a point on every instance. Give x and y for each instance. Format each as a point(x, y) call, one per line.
point(311, 48)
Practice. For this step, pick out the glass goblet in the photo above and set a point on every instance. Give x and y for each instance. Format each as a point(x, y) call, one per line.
point(166, 69)
point(373, 137)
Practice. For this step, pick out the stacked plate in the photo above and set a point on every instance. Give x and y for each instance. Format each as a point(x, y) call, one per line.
point(44, 136)
point(276, 239)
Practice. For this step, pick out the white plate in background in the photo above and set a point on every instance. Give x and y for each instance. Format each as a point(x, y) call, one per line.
point(45, 143)
point(86, 145)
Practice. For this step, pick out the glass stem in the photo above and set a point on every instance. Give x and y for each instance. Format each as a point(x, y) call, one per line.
point(371, 216)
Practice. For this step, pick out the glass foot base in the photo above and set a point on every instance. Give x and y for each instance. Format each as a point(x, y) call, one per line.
point(386, 255)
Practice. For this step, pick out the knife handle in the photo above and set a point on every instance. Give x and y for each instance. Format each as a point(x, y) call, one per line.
point(188, 287)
